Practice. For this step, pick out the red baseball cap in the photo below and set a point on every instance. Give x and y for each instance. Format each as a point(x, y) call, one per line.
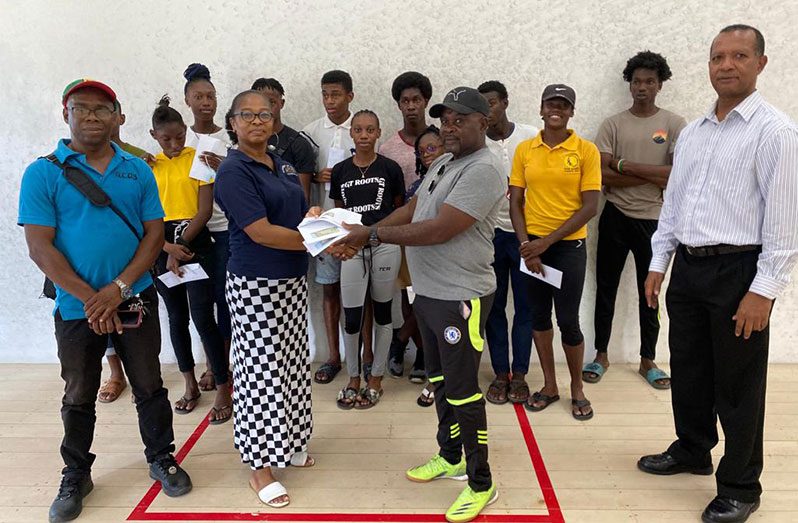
point(82, 83)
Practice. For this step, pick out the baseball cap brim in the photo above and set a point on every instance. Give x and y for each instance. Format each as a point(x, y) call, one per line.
point(558, 95)
point(437, 110)
point(78, 85)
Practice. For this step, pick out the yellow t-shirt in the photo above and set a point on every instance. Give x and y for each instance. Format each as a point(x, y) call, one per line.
point(554, 180)
point(179, 194)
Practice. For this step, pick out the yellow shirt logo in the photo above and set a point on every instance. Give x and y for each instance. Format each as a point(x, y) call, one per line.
point(571, 163)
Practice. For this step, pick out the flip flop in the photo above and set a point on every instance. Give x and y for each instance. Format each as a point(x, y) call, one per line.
point(111, 389)
point(370, 396)
point(496, 388)
point(225, 419)
point(593, 368)
point(326, 373)
point(581, 404)
point(656, 374)
point(346, 398)
point(270, 492)
point(209, 384)
point(537, 397)
point(426, 398)
point(187, 401)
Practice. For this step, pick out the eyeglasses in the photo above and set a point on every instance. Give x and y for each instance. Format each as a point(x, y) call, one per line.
point(437, 177)
point(101, 113)
point(249, 116)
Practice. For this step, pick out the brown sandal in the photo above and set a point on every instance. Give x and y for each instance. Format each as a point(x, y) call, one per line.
point(497, 391)
point(111, 390)
point(519, 391)
point(184, 408)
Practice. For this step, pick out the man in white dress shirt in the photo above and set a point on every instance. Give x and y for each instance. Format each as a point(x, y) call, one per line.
point(730, 216)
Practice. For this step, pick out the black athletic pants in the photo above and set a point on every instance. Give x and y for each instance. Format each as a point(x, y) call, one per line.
point(453, 334)
point(617, 235)
point(714, 373)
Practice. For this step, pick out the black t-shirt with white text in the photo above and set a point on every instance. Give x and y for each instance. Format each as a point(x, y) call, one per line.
point(371, 193)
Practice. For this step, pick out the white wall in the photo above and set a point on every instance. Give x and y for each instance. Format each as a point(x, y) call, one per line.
point(141, 49)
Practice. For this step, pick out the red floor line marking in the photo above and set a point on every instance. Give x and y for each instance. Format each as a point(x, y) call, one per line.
point(549, 496)
point(140, 512)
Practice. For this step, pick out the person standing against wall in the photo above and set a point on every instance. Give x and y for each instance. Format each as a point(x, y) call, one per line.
point(636, 149)
point(330, 134)
point(200, 96)
point(287, 143)
point(503, 138)
point(554, 191)
point(92, 283)
point(373, 186)
point(188, 205)
point(412, 92)
point(729, 217)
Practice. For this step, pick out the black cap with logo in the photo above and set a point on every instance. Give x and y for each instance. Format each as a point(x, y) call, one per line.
point(463, 100)
point(559, 91)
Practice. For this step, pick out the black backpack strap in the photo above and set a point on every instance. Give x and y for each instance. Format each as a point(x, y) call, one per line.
point(89, 188)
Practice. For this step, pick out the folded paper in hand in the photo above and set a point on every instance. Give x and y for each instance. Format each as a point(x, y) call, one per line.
point(319, 233)
point(550, 275)
point(200, 171)
point(191, 272)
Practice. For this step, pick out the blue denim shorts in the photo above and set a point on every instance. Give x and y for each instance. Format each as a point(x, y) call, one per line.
point(328, 269)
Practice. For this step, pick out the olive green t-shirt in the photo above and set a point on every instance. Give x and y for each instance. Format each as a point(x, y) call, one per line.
point(648, 140)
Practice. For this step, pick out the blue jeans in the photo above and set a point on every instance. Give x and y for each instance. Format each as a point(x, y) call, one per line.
point(506, 263)
point(221, 253)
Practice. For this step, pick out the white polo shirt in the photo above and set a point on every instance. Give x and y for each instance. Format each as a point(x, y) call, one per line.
point(328, 137)
point(504, 150)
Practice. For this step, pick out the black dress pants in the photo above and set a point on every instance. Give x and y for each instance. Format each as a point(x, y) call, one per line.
point(81, 352)
point(716, 374)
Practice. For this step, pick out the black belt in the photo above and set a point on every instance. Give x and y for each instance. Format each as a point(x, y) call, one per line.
point(718, 250)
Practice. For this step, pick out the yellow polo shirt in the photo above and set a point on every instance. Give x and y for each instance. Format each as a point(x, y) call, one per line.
point(179, 194)
point(554, 180)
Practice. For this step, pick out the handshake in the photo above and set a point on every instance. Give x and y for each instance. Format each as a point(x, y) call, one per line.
point(346, 247)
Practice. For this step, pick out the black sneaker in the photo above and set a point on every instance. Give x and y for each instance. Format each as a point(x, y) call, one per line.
point(69, 502)
point(174, 480)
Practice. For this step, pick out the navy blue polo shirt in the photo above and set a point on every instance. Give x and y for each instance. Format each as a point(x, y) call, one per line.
point(95, 241)
point(247, 191)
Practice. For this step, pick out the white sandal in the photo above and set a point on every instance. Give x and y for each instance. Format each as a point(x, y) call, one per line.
point(302, 460)
point(270, 492)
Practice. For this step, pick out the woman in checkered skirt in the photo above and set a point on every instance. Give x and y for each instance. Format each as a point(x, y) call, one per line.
point(267, 295)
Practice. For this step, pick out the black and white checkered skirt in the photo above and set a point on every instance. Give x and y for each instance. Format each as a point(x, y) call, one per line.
point(271, 369)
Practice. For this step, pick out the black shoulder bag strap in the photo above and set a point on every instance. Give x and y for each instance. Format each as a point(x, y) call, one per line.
point(93, 192)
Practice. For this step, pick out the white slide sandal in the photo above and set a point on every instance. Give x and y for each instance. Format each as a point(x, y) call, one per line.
point(302, 460)
point(270, 492)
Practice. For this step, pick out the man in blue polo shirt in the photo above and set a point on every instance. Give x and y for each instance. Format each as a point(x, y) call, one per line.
point(96, 263)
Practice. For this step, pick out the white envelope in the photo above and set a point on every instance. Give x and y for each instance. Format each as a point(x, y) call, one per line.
point(200, 171)
point(191, 272)
point(550, 275)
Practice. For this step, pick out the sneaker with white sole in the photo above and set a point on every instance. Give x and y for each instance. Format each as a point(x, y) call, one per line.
point(469, 504)
point(438, 468)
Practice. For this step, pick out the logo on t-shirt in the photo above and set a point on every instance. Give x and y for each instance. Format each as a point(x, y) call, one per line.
point(660, 136)
point(571, 163)
point(288, 169)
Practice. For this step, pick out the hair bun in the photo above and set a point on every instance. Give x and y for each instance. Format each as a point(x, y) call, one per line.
point(164, 101)
point(197, 72)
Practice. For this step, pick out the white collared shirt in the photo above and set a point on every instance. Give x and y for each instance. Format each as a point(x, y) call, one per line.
point(735, 182)
point(327, 135)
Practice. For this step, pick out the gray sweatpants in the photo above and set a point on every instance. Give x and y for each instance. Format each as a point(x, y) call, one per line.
point(375, 269)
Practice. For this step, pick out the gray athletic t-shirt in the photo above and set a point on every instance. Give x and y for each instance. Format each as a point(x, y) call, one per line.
point(459, 269)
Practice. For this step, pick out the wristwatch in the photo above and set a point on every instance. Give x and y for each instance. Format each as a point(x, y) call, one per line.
point(125, 290)
point(374, 240)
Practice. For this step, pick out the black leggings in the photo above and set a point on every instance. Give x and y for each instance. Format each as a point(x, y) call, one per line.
point(570, 257)
point(195, 300)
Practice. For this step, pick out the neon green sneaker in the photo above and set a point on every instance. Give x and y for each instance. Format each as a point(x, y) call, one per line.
point(469, 504)
point(437, 468)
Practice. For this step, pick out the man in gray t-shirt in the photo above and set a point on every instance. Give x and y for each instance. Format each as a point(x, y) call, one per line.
point(448, 230)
